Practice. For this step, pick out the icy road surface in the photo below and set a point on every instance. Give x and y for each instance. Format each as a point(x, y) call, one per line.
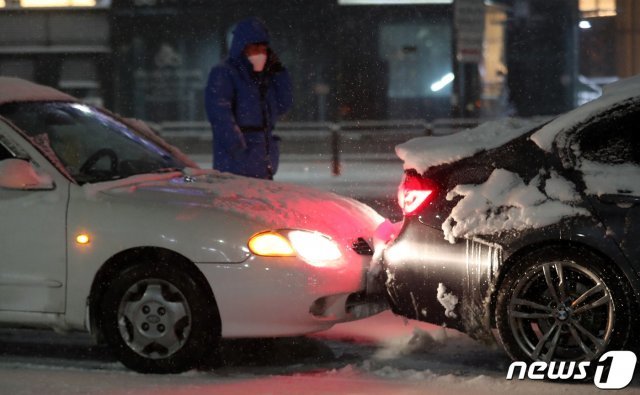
point(380, 355)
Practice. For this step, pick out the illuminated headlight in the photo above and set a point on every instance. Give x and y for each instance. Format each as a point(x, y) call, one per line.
point(314, 248)
point(270, 244)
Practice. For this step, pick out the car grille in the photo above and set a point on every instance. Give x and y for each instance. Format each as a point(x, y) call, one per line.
point(362, 247)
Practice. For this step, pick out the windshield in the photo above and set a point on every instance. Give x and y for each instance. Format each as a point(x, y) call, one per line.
point(86, 144)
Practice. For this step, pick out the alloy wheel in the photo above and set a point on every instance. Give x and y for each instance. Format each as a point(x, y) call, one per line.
point(561, 311)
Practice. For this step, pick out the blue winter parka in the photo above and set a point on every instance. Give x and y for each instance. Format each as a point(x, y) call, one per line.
point(243, 107)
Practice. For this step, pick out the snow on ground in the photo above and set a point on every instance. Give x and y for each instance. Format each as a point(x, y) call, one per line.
point(383, 354)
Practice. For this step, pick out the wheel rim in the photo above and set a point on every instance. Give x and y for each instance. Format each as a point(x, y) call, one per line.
point(561, 311)
point(154, 318)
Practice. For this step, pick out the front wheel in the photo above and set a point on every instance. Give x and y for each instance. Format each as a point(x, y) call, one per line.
point(562, 304)
point(157, 319)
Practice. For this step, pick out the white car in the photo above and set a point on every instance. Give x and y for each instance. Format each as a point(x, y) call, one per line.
point(109, 229)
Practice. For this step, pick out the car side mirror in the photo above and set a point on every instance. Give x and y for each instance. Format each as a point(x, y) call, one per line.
point(22, 175)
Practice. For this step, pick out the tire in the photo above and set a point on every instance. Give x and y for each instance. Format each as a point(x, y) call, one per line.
point(540, 319)
point(157, 319)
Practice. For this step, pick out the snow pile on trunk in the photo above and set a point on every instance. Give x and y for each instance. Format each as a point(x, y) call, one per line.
point(504, 202)
point(422, 153)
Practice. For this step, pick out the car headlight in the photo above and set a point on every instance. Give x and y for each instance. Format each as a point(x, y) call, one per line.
point(314, 248)
point(270, 244)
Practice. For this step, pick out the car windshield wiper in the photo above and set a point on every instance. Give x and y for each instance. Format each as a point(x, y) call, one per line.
point(92, 180)
point(167, 170)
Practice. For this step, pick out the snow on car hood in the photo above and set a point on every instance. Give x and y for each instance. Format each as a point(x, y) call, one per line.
point(274, 204)
point(505, 202)
point(421, 153)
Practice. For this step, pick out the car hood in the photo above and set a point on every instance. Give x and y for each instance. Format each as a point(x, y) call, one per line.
point(274, 204)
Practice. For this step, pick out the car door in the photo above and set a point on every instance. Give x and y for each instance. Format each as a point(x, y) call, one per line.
point(32, 237)
point(609, 160)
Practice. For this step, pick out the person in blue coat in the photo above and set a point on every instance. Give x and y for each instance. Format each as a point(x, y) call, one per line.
point(244, 97)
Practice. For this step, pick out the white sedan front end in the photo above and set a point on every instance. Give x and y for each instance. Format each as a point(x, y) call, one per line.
point(110, 229)
point(280, 259)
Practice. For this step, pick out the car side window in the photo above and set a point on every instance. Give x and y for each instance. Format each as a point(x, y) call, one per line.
point(4, 153)
point(615, 139)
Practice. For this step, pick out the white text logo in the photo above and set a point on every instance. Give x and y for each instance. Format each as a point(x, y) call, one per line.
point(614, 370)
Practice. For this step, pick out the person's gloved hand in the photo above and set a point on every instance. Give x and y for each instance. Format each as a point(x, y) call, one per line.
point(273, 63)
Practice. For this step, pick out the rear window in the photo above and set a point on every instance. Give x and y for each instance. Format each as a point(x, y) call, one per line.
point(613, 139)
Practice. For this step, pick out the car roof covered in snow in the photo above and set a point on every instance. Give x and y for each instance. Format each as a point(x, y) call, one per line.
point(613, 93)
point(19, 90)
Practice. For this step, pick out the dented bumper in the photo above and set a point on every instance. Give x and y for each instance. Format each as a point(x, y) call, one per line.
point(429, 279)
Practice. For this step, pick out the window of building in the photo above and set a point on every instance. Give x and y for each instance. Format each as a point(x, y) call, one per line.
point(419, 59)
point(597, 8)
point(13, 4)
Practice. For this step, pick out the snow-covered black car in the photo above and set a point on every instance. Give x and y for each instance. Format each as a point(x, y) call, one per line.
point(530, 228)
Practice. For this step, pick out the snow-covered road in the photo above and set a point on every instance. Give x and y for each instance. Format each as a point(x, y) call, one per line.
point(383, 354)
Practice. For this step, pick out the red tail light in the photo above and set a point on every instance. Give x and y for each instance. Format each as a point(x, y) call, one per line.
point(415, 192)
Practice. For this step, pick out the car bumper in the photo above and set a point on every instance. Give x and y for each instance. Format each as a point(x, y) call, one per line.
point(429, 279)
point(265, 297)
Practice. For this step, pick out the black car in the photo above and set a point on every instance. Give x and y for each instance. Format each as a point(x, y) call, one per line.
point(536, 234)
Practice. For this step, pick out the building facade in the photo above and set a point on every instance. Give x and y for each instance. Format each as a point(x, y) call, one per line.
point(150, 59)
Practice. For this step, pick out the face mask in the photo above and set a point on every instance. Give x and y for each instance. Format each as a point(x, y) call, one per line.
point(258, 61)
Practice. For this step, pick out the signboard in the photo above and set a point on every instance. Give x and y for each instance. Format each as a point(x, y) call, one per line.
point(16, 4)
point(468, 16)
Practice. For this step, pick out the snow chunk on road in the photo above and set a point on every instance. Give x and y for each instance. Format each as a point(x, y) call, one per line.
point(504, 202)
point(422, 153)
point(420, 342)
